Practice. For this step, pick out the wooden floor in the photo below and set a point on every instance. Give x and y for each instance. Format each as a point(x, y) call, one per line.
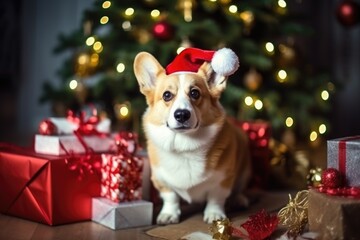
point(12, 228)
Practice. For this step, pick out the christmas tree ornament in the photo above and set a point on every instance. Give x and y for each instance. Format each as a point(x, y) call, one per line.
point(221, 229)
point(85, 63)
point(287, 55)
point(295, 214)
point(331, 178)
point(248, 20)
point(163, 30)
point(314, 177)
point(253, 79)
point(348, 13)
point(187, 7)
point(47, 127)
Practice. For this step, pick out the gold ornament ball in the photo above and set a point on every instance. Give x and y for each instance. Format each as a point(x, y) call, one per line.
point(253, 80)
point(314, 177)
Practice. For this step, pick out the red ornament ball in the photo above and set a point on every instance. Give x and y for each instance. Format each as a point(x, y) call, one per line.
point(331, 178)
point(163, 30)
point(46, 127)
point(348, 13)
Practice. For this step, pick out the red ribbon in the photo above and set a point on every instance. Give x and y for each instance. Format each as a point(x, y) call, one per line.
point(351, 192)
point(342, 153)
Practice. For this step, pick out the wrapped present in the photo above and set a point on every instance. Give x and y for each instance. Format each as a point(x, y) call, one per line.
point(333, 217)
point(66, 144)
point(74, 134)
point(121, 215)
point(259, 134)
point(121, 173)
point(47, 189)
point(344, 154)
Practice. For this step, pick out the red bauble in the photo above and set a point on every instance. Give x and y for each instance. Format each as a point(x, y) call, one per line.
point(348, 13)
point(163, 30)
point(331, 178)
point(46, 127)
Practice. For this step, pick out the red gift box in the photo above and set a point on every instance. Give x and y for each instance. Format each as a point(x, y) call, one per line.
point(121, 172)
point(259, 134)
point(47, 189)
point(121, 177)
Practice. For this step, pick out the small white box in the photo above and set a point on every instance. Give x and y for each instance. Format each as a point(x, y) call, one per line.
point(121, 215)
point(55, 145)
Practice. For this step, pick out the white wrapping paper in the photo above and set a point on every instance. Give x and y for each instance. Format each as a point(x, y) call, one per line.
point(121, 215)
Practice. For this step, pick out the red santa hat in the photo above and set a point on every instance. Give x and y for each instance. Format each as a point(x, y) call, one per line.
point(223, 61)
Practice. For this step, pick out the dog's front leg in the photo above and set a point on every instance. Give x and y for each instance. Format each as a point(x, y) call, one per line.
point(214, 209)
point(170, 211)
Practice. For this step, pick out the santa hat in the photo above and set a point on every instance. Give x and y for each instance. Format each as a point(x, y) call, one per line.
point(223, 61)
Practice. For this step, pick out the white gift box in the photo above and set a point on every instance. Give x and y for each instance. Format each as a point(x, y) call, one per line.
point(121, 215)
point(65, 144)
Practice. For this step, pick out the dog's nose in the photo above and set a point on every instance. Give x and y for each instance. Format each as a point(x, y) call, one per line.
point(181, 115)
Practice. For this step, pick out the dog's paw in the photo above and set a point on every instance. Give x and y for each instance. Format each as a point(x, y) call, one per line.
point(167, 218)
point(210, 216)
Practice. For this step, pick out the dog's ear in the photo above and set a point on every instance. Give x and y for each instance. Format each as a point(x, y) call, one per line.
point(146, 69)
point(216, 82)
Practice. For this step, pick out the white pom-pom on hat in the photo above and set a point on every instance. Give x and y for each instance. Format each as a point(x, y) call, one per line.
point(225, 62)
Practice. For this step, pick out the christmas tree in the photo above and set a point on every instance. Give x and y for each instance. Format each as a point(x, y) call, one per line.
point(274, 82)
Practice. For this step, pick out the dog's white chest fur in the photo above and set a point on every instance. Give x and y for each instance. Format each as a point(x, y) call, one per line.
point(183, 160)
point(186, 174)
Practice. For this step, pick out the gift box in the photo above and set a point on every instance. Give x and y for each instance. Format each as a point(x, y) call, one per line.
point(121, 215)
point(121, 177)
point(333, 217)
point(47, 189)
point(344, 154)
point(259, 134)
point(65, 144)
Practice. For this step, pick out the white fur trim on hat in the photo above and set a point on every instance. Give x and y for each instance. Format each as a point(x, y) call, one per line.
point(225, 62)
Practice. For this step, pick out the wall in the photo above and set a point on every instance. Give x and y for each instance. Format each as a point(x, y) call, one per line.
point(42, 21)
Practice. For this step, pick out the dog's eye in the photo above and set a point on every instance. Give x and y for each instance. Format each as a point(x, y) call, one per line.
point(194, 93)
point(167, 96)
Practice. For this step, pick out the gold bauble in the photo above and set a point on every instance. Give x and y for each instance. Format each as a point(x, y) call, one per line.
point(314, 177)
point(253, 79)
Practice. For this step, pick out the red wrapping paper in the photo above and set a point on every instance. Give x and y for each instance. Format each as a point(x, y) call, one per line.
point(121, 177)
point(259, 134)
point(45, 188)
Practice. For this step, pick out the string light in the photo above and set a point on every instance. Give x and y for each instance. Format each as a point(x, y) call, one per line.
point(313, 136)
point(120, 68)
point(90, 41)
point(289, 121)
point(104, 20)
point(83, 59)
point(282, 75)
point(129, 12)
point(325, 95)
point(248, 101)
point(330, 86)
point(282, 3)
point(124, 111)
point(322, 128)
point(212, 0)
point(106, 4)
point(73, 84)
point(94, 59)
point(98, 46)
point(233, 9)
point(258, 104)
point(155, 13)
point(126, 25)
point(269, 47)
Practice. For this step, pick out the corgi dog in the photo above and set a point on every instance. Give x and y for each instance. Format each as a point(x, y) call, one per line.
point(195, 153)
